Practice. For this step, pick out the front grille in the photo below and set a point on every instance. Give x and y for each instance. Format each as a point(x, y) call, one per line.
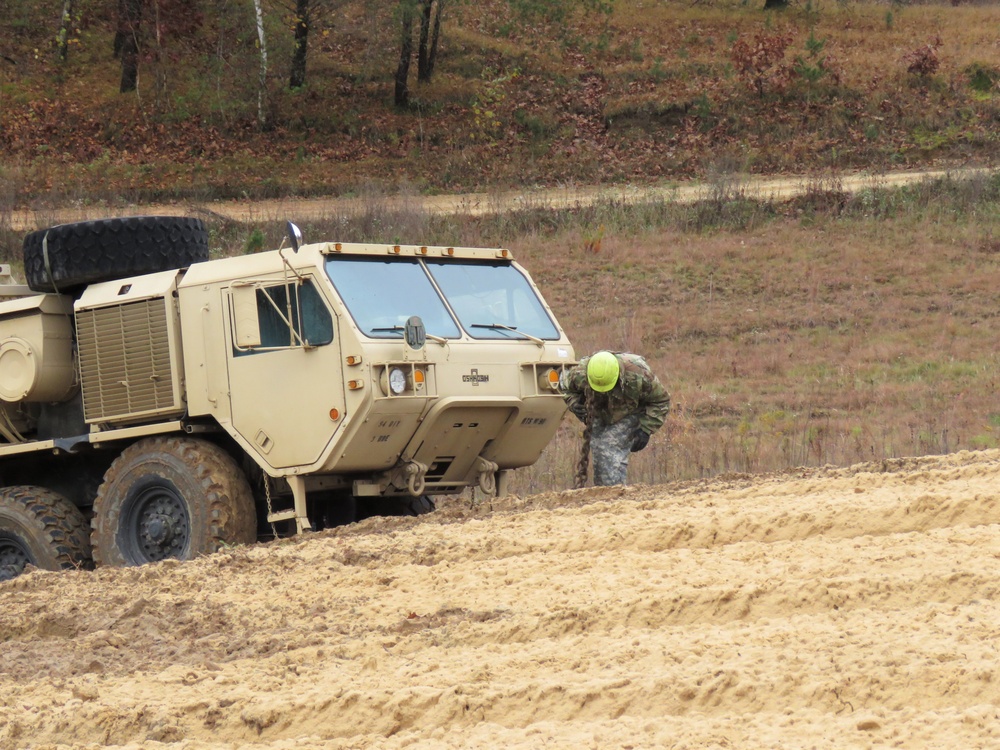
point(125, 362)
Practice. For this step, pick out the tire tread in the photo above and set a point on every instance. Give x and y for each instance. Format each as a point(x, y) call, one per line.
point(231, 513)
point(58, 524)
point(88, 252)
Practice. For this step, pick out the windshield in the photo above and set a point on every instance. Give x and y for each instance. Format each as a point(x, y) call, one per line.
point(493, 300)
point(381, 295)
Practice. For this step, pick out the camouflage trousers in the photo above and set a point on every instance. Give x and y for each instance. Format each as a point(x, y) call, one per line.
point(610, 449)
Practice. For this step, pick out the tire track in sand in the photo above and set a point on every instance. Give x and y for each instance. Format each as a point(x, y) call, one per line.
point(827, 608)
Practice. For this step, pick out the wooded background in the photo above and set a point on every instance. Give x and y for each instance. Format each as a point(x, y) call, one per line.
point(227, 98)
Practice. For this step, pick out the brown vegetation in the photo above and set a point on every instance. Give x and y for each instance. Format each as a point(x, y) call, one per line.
point(653, 91)
point(828, 329)
point(832, 331)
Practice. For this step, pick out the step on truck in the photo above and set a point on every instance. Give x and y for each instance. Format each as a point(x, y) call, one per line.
point(155, 403)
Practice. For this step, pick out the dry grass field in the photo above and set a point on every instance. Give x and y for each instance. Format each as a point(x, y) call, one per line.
point(826, 329)
point(797, 342)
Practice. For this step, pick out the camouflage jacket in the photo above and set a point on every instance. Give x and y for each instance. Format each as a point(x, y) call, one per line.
point(637, 392)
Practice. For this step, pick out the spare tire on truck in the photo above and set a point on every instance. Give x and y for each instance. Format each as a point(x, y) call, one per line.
point(68, 256)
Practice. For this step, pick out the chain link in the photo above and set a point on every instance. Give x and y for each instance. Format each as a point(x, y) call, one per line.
point(267, 497)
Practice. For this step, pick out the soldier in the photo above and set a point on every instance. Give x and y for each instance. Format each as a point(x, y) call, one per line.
point(622, 403)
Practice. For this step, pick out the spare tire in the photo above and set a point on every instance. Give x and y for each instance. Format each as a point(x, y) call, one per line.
point(65, 257)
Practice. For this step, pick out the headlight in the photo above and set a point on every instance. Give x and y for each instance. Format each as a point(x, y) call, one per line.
point(397, 380)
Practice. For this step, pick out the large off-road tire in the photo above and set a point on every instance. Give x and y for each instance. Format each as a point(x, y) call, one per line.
point(68, 256)
point(42, 528)
point(170, 497)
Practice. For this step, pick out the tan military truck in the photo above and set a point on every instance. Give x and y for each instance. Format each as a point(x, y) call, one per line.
point(157, 404)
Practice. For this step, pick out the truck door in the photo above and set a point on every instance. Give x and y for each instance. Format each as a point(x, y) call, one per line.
point(286, 383)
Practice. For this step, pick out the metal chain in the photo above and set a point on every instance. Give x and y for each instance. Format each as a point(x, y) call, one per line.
point(267, 497)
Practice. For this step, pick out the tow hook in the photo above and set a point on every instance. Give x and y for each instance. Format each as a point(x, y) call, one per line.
point(416, 474)
point(487, 475)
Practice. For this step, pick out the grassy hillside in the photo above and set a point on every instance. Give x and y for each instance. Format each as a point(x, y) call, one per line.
point(654, 91)
point(830, 329)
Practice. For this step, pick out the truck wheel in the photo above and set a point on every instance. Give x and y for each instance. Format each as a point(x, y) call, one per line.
point(42, 528)
point(68, 256)
point(169, 497)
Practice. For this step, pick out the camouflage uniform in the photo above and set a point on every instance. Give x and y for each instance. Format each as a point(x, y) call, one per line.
point(637, 403)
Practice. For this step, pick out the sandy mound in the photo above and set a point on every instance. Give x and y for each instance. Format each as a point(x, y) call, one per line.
point(831, 608)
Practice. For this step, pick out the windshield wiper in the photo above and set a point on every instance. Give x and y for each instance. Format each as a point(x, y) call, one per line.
point(400, 329)
point(502, 327)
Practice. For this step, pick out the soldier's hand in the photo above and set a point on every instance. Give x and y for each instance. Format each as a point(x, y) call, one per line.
point(640, 441)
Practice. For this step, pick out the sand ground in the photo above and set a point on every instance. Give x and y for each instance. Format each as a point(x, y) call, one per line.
point(833, 608)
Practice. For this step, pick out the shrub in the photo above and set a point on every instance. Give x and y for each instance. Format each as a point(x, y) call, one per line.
point(982, 78)
point(759, 61)
point(923, 61)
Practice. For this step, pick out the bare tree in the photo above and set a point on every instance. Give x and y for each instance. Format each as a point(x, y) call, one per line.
point(430, 32)
point(407, 9)
point(127, 42)
point(62, 39)
point(307, 17)
point(297, 79)
point(262, 119)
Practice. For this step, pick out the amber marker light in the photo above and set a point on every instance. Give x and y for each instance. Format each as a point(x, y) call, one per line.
point(354, 359)
point(355, 385)
point(334, 414)
point(549, 380)
point(418, 378)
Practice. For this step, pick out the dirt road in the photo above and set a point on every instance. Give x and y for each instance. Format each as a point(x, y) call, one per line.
point(302, 210)
point(837, 608)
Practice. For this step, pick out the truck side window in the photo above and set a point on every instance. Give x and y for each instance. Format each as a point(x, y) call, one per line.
point(292, 315)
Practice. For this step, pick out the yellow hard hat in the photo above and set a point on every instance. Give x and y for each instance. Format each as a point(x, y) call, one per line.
point(602, 371)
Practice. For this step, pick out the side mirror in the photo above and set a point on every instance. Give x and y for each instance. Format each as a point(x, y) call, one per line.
point(414, 332)
point(294, 236)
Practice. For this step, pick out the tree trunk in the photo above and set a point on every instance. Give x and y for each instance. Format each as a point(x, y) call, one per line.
point(435, 35)
point(402, 94)
point(120, 32)
point(129, 27)
point(262, 120)
point(64, 24)
point(159, 71)
point(430, 32)
point(423, 46)
point(297, 79)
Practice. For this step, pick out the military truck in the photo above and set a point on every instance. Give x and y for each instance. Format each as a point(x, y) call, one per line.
point(155, 403)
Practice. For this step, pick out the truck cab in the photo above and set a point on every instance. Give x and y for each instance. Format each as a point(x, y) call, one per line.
point(318, 383)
